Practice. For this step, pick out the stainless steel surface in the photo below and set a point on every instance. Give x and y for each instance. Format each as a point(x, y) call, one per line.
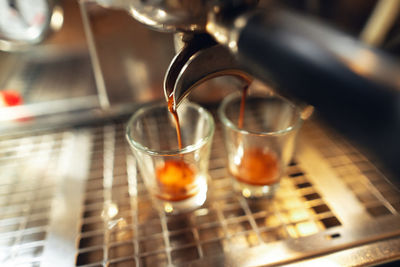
point(55, 76)
point(169, 15)
point(24, 24)
point(40, 197)
point(333, 207)
point(129, 60)
point(58, 75)
point(99, 78)
point(45, 76)
point(310, 216)
point(189, 69)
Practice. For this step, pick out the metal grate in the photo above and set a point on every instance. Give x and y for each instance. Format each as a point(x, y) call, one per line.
point(76, 195)
point(378, 196)
point(29, 173)
point(226, 224)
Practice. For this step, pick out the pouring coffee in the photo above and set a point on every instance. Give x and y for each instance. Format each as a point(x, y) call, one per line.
point(353, 86)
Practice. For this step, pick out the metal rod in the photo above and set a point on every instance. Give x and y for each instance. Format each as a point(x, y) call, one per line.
point(98, 74)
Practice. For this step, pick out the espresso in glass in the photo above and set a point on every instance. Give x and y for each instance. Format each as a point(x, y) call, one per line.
point(259, 134)
point(173, 161)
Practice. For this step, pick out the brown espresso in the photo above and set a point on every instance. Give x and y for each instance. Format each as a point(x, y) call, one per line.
point(174, 113)
point(175, 178)
point(242, 106)
point(257, 166)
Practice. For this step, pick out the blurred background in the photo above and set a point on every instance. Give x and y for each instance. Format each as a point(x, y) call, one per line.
point(132, 59)
point(65, 95)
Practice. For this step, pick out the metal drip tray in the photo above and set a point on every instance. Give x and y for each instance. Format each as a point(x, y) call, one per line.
point(75, 197)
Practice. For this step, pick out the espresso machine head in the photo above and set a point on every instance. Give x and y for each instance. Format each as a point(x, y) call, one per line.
point(200, 57)
point(178, 16)
point(242, 37)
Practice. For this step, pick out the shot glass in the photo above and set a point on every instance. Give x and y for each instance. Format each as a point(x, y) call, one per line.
point(175, 178)
point(259, 150)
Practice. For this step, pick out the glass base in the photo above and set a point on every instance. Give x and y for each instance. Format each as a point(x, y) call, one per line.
point(255, 191)
point(186, 205)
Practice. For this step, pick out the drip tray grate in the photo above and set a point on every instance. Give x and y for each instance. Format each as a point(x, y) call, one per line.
point(76, 194)
point(31, 170)
point(227, 223)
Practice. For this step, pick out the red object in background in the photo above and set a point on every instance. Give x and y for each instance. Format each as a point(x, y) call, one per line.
point(10, 98)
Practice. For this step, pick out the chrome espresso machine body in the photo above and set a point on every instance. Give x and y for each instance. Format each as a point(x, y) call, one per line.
point(70, 192)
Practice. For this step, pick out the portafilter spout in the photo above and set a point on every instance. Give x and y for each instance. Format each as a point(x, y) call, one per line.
point(199, 60)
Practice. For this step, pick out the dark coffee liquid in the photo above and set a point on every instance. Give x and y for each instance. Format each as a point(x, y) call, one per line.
point(175, 178)
point(242, 106)
point(257, 166)
point(172, 110)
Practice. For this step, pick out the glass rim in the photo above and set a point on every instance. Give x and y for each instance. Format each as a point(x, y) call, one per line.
point(228, 123)
point(187, 149)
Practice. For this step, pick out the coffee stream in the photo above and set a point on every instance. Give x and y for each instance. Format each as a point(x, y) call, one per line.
point(242, 106)
point(174, 113)
point(175, 178)
point(257, 166)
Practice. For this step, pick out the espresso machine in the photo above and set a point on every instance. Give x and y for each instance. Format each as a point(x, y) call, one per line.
point(249, 39)
point(70, 191)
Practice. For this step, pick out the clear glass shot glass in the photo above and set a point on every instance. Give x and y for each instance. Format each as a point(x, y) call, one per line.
point(262, 147)
point(175, 178)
